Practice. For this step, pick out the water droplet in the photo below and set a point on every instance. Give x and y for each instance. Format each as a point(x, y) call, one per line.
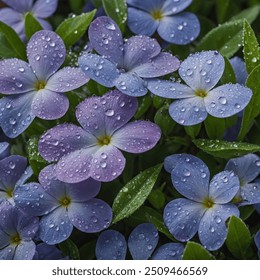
point(222, 100)
point(212, 229)
point(238, 106)
point(186, 173)
point(217, 219)
point(104, 155)
point(11, 164)
point(110, 113)
point(189, 72)
point(257, 163)
point(111, 26)
point(103, 164)
point(21, 69)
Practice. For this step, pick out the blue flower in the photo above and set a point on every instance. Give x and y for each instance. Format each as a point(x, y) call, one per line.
point(48, 252)
point(247, 168)
point(206, 206)
point(124, 65)
point(62, 206)
point(14, 16)
point(17, 231)
point(239, 68)
point(93, 150)
point(201, 72)
point(4, 149)
point(36, 89)
point(257, 242)
point(166, 17)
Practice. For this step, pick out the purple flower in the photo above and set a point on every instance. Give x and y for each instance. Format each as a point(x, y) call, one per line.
point(93, 150)
point(14, 16)
point(169, 251)
point(63, 206)
point(48, 252)
point(206, 206)
point(166, 17)
point(16, 233)
point(124, 65)
point(247, 168)
point(13, 172)
point(4, 149)
point(201, 72)
point(36, 89)
point(239, 68)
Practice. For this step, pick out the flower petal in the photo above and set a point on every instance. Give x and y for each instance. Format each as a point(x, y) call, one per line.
point(169, 251)
point(28, 172)
point(146, 5)
point(25, 251)
point(44, 8)
point(173, 7)
point(247, 167)
point(170, 162)
point(62, 140)
point(66, 79)
point(137, 137)
point(4, 149)
point(188, 111)
point(49, 105)
point(227, 100)
point(180, 29)
point(19, 5)
point(142, 241)
point(55, 227)
point(44, 23)
point(107, 164)
point(223, 187)
point(202, 70)
point(250, 194)
point(212, 228)
point(182, 217)
point(239, 67)
point(106, 38)
point(257, 240)
point(190, 177)
point(46, 53)
point(111, 245)
point(92, 216)
point(99, 69)
point(10, 17)
point(16, 76)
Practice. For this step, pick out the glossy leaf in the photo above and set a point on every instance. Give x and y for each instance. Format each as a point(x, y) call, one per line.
point(70, 249)
point(195, 251)
point(31, 25)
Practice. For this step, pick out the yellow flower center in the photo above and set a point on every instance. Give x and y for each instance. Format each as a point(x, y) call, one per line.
point(157, 14)
point(16, 239)
point(208, 203)
point(65, 201)
point(104, 140)
point(9, 192)
point(40, 85)
point(201, 92)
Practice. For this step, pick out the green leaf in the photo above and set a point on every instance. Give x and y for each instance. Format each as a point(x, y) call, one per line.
point(87, 251)
point(6, 50)
point(13, 40)
point(144, 104)
point(195, 251)
point(71, 29)
point(215, 127)
point(157, 199)
point(224, 149)
point(250, 14)
point(134, 193)
point(222, 7)
point(229, 74)
point(69, 248)
point(252, 110)
point(193, 130)
point(251, 47)
point(164, 120)
point(238, 238)
point(31, 25)
point(117, 10)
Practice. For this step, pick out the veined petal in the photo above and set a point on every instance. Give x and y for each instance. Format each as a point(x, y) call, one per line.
point(44, 8)
point(137, 137)
point(188, 111)
point(106, 38)
point(146, 5)
point(169, 251)
point(173, 7)
point(212, 228)
point(46, 52)
point(182, 217)
point(227, 100)
point(250, 194)
point(19, 5)
point(10, 17)
point(170, 162)
point(16, 76)
point(49, 105)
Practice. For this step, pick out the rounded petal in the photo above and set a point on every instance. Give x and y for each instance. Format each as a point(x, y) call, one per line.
point(146, 5)
point(247, 167)
point(44, 8)
point(141, 22)
point(169, 251)
point(239, 67)
point(188, 111)
point(257, 240)
point(202, 70)
point(173, 7)
point(111, 245)
point(4, 149)
point(92, 216)
point(137, 137)
point(212, 228)
point(227, 100)
point(180, 29)
point(66, 79)
point(7, 253)
point(107, 164)
point(19, 5)
point(190, 177)
point(49, 105)
point(16, 114)
point(182, 217)
point(106, 38)
point(223, 187)
point(16, 76)
point(28, 172)
point(45, 24)
point(142, 241)
point(170, 162)
point(55, 227)
point(46, 52)
point(99, 69)
point(62, 140)
point(250, 194)
point(25, 251)
point(13, 19)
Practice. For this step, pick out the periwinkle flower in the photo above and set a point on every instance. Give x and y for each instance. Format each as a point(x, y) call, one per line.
point(201, 72)
point(247, 168)
point(257, 242)
point(94, 150)
point(17, 231)
point(4, 149)
point(48, 252)
point(62, 206)
point(125, 65)
point(36, 89)
point(239, 68)
point(14, 15)
point(206, 205)
point(169, 251)
point(166, 17)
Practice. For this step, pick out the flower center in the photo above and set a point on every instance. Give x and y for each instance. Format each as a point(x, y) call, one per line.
point(208, 203)
point(104, 140)
point(157, 14)
point(9, 192)
point(65, 201)
point(201, 92)
point(40, 85)
point(16, 239)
